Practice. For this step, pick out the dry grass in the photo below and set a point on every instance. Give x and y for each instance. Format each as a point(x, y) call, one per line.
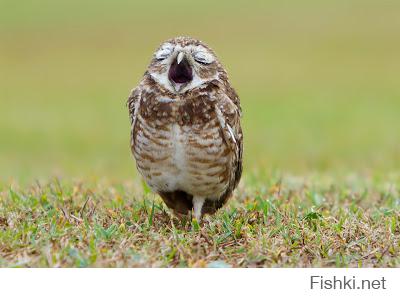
point(277, 223)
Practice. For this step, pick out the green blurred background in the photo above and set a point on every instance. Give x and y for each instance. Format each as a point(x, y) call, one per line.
point(318, 80)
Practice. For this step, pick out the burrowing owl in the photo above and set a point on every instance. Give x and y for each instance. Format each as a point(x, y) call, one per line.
point(185, 128)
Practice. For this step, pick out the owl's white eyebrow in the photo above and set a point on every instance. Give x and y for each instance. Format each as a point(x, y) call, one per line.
point(199, 49)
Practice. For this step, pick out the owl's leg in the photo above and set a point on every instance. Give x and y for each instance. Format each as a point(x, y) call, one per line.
point(197, 206)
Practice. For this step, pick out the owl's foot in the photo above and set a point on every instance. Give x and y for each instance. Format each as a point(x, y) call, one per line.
point(197, 206)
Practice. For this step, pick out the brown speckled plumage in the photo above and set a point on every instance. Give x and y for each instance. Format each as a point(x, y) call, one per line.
point(185, 128)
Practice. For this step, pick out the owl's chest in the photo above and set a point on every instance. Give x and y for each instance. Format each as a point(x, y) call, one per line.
point(173, 154)
point(192, 110)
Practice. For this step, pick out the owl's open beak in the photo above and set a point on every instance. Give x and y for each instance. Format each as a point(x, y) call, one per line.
point(180, 71)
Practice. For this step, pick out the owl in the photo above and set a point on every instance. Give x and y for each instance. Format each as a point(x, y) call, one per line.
point(186, 136)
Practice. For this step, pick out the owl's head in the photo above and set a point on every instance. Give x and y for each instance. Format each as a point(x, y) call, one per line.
point(183, 63)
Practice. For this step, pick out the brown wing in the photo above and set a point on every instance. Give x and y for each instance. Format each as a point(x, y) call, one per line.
point(228, 112)
point(133, 107)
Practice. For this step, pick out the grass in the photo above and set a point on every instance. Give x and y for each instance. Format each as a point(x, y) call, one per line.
point(289, 222)
point(319, 87)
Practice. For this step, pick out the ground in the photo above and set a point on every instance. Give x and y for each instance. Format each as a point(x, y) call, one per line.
point(288, 222)
point(319, 87)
